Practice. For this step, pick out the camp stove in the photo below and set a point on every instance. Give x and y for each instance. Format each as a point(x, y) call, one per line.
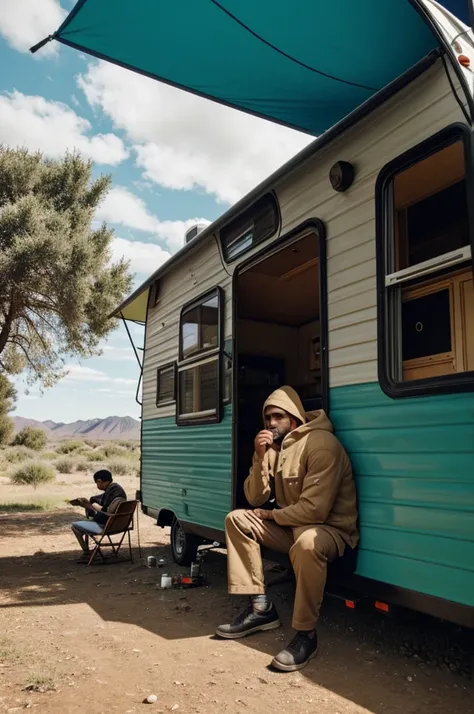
point(195, 577)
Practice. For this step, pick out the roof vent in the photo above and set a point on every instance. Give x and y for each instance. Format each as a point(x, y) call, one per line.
point(194, 231)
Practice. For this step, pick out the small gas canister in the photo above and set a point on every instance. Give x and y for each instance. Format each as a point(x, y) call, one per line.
point(166, 581)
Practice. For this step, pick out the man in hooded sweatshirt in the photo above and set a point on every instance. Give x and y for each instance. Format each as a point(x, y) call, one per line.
point(301, 464)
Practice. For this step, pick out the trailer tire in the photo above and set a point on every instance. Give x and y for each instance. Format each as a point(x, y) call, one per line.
point(184, 546)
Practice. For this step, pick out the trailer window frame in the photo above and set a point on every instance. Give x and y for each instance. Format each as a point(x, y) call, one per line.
point(243, 224)
point(199, 359)
point(162, 368)
point(388, 326)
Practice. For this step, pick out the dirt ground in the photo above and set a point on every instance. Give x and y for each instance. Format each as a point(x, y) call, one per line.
point(106, 637)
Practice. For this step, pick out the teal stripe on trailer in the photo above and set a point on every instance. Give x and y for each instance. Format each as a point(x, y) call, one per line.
point(188, 469)
point(414, 465)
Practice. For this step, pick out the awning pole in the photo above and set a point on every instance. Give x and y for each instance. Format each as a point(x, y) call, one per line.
point(131, 341)
point(41, 44)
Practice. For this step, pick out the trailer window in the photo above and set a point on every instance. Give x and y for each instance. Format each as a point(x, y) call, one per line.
point(426, 319)
point(253, 226)
point(199, 369)
point(199, 328)
point(166, 385)
point(198, 392)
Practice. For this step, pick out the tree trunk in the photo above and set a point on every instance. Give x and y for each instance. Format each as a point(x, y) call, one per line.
point(6, 329)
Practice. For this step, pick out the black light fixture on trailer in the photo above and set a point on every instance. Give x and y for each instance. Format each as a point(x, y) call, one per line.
point(341, 175)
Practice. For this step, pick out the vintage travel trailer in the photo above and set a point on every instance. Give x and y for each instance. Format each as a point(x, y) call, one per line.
point(347, 274)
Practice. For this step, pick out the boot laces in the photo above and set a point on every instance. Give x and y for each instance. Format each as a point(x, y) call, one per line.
point(243, 615)
point(298, 641)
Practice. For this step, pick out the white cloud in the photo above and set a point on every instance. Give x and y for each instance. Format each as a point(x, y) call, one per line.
point(144, 258)
point(23, 23)
point(172, 232)
point(110, 393)
point(183, 141)
point(118, 354)
point(125, 208)
point(53, 127)
point(78, 373)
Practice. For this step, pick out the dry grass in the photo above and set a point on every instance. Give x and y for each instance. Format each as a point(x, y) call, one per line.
point(84, 466)
point(69, 447)
point(48, 456)
point(9, 652)
point(17, 454)
point(120, 467)
point(73, 480)
point(33, 474)
point(65, 466)
point(39, 683)
point(95, 456)
point(112, 449)
point(25, 506)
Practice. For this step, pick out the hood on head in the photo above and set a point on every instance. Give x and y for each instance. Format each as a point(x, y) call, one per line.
point(287, 398)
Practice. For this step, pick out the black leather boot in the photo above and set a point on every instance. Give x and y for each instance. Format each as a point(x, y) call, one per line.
point(301, 649)
point(249, 621)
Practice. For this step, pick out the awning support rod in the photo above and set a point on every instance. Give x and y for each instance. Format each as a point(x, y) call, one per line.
point(132, 342)
point(41, 44)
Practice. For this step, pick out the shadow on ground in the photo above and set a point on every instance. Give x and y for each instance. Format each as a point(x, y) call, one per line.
point(37, 522)
point(364, 644)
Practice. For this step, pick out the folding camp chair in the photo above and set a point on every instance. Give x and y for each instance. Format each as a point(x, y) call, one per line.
point(118, 523)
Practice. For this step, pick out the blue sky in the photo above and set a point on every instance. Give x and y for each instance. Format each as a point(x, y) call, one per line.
point(174, 158)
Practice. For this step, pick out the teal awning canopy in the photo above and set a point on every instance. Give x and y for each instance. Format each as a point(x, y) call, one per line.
point(303, 63)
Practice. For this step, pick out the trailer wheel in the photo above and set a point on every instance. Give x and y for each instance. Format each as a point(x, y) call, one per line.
point(183, 545)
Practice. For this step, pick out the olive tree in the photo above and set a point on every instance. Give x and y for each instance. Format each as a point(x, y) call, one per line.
point(58, 284)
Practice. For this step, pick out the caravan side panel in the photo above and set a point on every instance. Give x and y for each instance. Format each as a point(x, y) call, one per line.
point(200, 271)
point(188, 469)
point(414, 114)
point(184, 469)
point(413, 458)
point(414, 464)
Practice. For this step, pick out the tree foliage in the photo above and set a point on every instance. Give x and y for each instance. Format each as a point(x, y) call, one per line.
point(7, 399)
point(58, 284)
point(31, 437)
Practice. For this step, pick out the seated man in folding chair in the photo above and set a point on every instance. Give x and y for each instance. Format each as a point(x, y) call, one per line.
point(100, 508)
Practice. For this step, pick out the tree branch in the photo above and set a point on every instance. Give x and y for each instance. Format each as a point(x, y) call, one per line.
point(46, 347)
point(41, 317)
point(45, 306)
point(33, 366)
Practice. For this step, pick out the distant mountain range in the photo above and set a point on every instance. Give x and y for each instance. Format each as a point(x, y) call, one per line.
point(109, 428)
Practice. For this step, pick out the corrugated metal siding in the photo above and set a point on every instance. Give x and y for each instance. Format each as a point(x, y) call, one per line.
point(419, 111)
point(414, 465)
point(201, 271)
point(197, 459)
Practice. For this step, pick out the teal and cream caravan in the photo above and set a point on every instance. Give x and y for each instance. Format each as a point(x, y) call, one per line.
point(347, 274)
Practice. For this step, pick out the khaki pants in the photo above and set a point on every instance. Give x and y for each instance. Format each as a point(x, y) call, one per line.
point(310, 549)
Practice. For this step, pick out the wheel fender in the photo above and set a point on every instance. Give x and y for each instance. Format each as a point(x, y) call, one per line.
point(165, 517)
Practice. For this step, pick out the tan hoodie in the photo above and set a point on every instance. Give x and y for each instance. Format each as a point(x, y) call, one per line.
point(312, 475)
